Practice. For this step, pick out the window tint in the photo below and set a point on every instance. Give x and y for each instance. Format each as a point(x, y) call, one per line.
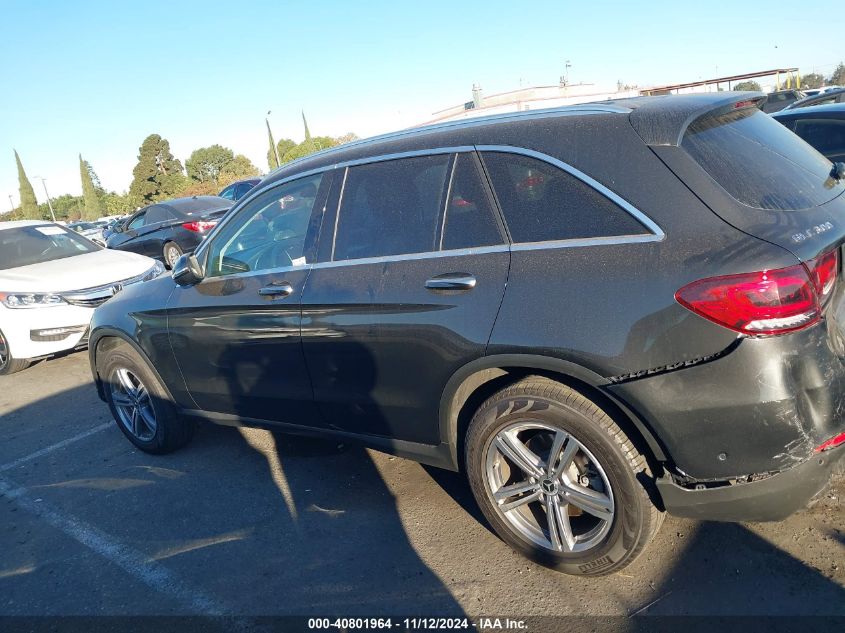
point(542, 202)
point(826, 136)
point(138, 222)
point(391, 207)
point(157, 214)
point(228, 193)
point(469, 220)
point(758, 161)
point(241, 190)
point(270, 232)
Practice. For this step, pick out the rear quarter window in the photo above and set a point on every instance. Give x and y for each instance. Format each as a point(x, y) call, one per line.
point(541, 202)
point(759, 162)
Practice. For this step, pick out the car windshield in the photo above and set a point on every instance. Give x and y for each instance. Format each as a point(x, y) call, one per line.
point(27, 245)
point(759, 162)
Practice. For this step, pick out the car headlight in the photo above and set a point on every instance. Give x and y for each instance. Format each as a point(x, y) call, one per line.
point(30, 300)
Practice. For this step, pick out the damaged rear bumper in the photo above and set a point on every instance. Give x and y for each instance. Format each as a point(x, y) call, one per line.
point(770, 499)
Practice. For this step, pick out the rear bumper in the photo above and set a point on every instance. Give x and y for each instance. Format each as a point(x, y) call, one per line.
point(770, 499)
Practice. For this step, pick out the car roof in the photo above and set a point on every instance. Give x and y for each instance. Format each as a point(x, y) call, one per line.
point(822, 96)
point(658, 119)
point(16, 224)
point(826, 111)
point(193, 204)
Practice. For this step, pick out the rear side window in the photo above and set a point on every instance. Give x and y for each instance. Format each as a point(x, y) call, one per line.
point(541, 202)
point(469, 220)
point(158, 214)
point(758, 161)
point(391, 207)
point(827, 136)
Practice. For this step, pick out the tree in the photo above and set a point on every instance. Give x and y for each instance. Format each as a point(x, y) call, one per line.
point(118, 203)
point(748, 85)
point(272, 159)
point(158, 175)
point(838, 76)
point(91, 208)
point(238, 168)
point(812, 80)
point(206, 163)
point(284, 146)
point(29, 205)
point(347, 138)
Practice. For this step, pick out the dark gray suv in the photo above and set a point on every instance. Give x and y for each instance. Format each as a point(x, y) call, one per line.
point(599, 313)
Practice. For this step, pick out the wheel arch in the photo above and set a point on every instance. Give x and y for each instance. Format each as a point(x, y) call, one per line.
point(471, 385)
point(105, 339)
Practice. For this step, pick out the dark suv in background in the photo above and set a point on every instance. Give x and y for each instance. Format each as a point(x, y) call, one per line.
point(599, 313)
point(168, 229)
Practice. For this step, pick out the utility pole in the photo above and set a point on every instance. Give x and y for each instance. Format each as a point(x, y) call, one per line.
point(49, 204)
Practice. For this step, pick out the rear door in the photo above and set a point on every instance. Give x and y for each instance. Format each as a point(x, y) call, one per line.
point(406, 294)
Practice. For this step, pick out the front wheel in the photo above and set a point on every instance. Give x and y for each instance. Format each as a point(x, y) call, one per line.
point(139, 403)
point(558, 480)
point(8, 363)
point(171, 253)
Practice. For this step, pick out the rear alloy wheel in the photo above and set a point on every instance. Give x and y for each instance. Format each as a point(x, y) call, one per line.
point(8, 364)
point(139, 402)
point(559, 480)
point(171, 253)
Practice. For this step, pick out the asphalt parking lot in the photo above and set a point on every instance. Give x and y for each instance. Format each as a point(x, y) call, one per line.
point(244, 522)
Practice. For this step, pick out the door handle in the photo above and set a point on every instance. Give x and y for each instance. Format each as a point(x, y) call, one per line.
point(281, 289)
point(451, 281)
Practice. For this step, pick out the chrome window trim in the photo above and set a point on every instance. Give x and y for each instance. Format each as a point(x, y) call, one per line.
point(657, 233)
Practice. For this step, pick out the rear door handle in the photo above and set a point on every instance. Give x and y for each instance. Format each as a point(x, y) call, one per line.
point(281, 289)
point(451, 281)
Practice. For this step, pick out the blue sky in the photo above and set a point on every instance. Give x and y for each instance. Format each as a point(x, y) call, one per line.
point(97, 77)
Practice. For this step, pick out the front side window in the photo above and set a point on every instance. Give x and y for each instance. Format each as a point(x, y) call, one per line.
point(138, 221)
point(542, 202)
point(270, 232)
point(36, 244)
point(228, 193)
point(391, 207)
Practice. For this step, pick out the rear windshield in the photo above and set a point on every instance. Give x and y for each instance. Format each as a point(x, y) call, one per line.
point(759, 162)
point(36, 244)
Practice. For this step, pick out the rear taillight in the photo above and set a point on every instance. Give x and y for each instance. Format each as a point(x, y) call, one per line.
point(823, 271)
point(200, 227)
point(833, 442)
point(767, 302)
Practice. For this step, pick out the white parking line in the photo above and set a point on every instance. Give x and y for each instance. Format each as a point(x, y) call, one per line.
point(54, 447)
point(133, 562)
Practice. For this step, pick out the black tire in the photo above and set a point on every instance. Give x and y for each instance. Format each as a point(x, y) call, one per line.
point(172, 431)
point(632, 519)
point(8, 363)
point(171, 252)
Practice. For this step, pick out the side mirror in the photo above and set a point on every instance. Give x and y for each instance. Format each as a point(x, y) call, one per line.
point(187, 271)
point(117, 228)
point(838, 171)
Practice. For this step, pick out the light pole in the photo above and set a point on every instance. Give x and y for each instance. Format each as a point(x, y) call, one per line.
point(49, 204)
point(11, 204)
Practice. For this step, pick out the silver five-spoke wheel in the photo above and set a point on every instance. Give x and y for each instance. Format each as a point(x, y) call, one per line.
point(133, 404)
point(549, 487)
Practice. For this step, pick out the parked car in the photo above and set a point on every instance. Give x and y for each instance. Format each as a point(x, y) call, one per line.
point(92, 230)
point(109, 229)
point(51, 279)
point(239, 189)
point(168, 229)
point(779, 99)
point(833, 95)
point(598, 312)
point(822, 126)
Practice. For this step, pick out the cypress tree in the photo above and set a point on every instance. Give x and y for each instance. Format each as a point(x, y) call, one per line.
point(91, 201)
point(29, 205)
point(158, 175)
point(272, 158)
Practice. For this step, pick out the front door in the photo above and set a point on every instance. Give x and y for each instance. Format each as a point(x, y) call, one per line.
point(236, 334)
point(408, 295)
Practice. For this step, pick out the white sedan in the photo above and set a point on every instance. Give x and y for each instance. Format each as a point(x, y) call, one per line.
point(51, 279)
